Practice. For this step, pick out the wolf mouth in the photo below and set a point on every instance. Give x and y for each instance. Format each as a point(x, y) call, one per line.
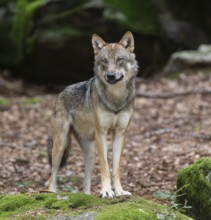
point(114, 80)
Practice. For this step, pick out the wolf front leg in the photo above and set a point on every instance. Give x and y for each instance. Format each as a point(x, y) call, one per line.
point(118, 145)
point(101, 145)
point(88, 147)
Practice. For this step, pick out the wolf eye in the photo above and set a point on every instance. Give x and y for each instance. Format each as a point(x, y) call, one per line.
point(119, 59)
point(104, 60)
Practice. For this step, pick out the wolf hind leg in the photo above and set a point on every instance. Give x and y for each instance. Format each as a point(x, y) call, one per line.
point(65, 154)
point(60, 131)
point(88, 148)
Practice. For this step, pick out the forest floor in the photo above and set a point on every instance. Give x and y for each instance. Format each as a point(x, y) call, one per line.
point(165, 135)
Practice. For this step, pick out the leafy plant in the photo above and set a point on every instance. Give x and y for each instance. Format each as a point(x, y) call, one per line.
point(168, 213)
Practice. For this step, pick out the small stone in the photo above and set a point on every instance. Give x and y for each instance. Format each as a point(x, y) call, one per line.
point(83, 216)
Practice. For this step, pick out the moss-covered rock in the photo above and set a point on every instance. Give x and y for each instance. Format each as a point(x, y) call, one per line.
point(47, 40)
point(49, 205)
point(195, 184)
point(137, 15)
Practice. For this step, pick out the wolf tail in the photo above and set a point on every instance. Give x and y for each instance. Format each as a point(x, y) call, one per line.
point(65, 154)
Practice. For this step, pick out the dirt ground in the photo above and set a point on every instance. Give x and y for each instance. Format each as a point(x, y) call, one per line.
point(165, 135)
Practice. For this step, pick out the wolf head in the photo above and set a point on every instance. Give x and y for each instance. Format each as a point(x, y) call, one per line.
point(114, 62)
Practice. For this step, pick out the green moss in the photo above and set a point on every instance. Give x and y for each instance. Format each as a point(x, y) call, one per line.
point(40, 197)
point(14, 204)
point(19, 28)
point(4, 101)
point(25, 207)
point(80, 200)
point(138, 15)
point(128, 211)
point(31, 101)
point(198, 193)
point(7, 205)
point(49, 202)
point(21, 24)
point(11, 205)
point(31, 218)
point(138, 209)
point(62, 204)
point(125, 213)
point(31, 7)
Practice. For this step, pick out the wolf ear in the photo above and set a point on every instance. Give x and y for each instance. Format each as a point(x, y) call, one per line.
point(128, 41)
point(97, 43)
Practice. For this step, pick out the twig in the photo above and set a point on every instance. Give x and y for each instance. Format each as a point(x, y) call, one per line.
point(184, 134)
point(149, 134)
point(192, 135)
point(3, 144)
point(171, 95)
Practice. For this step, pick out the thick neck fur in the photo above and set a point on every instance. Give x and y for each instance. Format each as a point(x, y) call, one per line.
point(115, 97)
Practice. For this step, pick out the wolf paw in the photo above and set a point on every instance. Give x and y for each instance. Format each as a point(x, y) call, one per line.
point(107, 194)
point(46, 183)
point(51, 184)
point(122, 193)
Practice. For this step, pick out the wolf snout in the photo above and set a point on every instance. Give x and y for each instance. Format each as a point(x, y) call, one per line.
point(113, 77)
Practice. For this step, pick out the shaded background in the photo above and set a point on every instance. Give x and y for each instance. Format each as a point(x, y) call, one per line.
point(49, 41)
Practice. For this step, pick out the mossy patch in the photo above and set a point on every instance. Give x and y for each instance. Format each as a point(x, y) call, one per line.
point(63, 205)
point(129, 210)
point(125, 213)
point(7, 205)
point(137, 15)
point(11, 205)
point(137, 208)
point(48, 205)
point(21, 25)
point(31, 101)
point(4, 101)
point(197, 194)
point(80, 200)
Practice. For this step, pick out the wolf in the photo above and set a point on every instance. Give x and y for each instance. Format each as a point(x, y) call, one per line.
point(92, 109)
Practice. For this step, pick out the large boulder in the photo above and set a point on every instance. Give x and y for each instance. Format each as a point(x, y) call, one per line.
point(194, 189)
point(183, 60)
point(48, 40)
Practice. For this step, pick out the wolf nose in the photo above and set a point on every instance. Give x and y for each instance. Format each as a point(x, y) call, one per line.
point(111, 76)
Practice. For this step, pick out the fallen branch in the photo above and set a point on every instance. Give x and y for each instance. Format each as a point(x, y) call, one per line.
point(176, 133)
point(149, 134)
point(172, 95)
point(3, 144)
point(192, 135)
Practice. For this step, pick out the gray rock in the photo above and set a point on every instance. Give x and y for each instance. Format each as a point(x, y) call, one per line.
point(204, 48)
point(83, 216)
point(187, 59)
